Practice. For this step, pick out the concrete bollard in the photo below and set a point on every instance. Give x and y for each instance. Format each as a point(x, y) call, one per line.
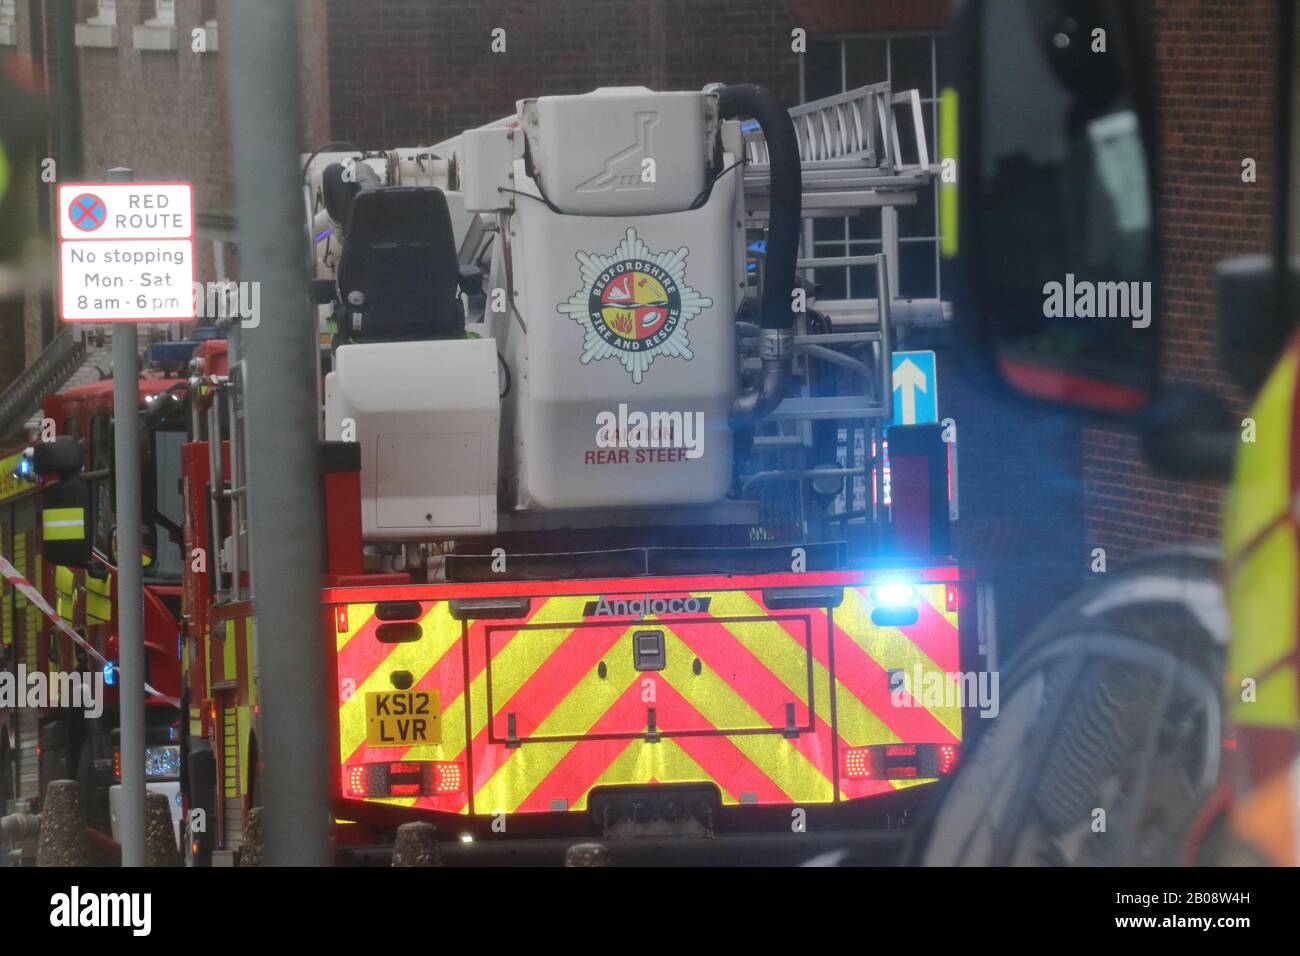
point(416, 845)
point(587, 854)
point(250, 851)
point(63, 826)
point(159, 837)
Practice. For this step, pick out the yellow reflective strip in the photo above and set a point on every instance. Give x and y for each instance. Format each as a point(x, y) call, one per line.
point(948, 144)
point(719, 704)
point(4, 170)
point(769, 641)
point(99, 609)
point(33, 620)
point(1262, 599)
point(228, 659)
point(358, 616)
point(250, 636)
point(97, 586)
point(665, 762)
point(591, 696)
point(439, 631)
point(20, 562)
point(1275, 702)
point(64, 580)
point(892, 650)
point(526, 767)
point(62, 532)
point(230, 749)
point(244, 724)
point(1260, 488)
point(517, 660)
point(722, 706)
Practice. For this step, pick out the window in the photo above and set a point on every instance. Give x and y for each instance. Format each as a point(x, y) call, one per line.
point(100, 29)
point(907, 61)
point(8, 28)
point(101, 464)
point(159, 31)
point(168, 555)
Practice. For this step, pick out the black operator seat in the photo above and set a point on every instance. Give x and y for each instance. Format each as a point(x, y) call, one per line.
point(399, 273)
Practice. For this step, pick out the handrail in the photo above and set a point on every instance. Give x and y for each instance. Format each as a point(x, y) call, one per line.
point(52, 368)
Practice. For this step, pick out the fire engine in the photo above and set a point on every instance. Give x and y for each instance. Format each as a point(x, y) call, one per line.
point(57, 533)
point(609, 549)
point(622, 537)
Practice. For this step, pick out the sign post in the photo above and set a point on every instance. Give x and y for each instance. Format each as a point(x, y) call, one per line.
point(127, 255)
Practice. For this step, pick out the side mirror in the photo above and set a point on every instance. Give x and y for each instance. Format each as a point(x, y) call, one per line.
point(65, 532)
point(1056, 257)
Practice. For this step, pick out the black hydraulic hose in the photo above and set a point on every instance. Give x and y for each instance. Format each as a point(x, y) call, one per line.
point(753, 102)
point(776, 315)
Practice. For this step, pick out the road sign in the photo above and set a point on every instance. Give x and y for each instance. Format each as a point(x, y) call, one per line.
point(126, 252)
point(87, 212)
point(916, 388)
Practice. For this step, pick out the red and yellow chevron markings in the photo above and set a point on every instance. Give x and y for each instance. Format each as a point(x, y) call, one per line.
point(538, 712)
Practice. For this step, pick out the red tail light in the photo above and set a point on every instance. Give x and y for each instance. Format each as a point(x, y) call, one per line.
point(900, 761)
point(947, 758)
point(341, 618)
point(402, 778)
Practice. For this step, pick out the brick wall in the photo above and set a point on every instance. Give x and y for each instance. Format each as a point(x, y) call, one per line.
point(406, 72)
point(1214, 70)
point(163, 113)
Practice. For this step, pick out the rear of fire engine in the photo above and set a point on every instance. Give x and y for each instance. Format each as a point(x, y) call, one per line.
point(614, 544)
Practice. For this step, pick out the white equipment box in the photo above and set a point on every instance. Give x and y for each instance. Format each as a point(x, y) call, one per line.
point(427, 416)
point(620, 151)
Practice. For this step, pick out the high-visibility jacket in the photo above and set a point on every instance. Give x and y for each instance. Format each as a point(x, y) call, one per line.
point(1261, 549)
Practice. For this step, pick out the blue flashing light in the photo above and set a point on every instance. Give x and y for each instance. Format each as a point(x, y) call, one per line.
point(894, 594)
point(110, 673)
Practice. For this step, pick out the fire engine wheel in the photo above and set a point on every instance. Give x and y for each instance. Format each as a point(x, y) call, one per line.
point(1103, 753)
point(1105, 749)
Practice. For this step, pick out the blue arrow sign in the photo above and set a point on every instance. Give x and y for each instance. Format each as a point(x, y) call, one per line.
point(916, 388)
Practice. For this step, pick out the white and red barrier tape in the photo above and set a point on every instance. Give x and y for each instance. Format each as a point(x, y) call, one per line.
point(29, 591)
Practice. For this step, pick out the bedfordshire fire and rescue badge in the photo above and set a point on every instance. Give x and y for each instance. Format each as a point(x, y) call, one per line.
point(634, 305)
